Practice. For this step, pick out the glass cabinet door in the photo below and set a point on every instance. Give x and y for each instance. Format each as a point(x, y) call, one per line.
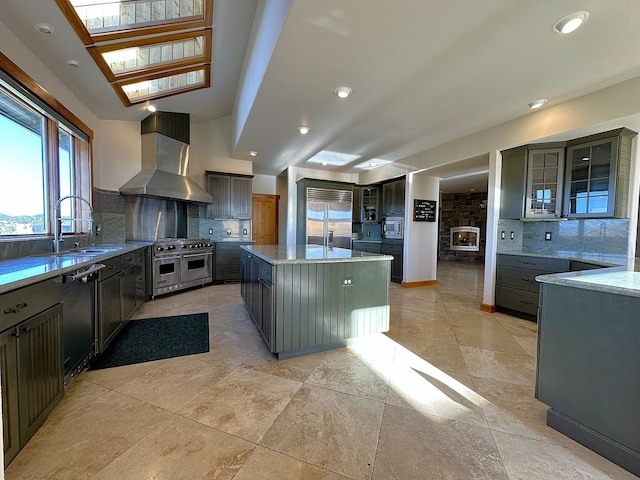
point(544, 183)
point(591, 179)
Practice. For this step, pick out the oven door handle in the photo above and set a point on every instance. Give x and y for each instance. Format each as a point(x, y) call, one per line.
point(197, 254)
point(161, 259)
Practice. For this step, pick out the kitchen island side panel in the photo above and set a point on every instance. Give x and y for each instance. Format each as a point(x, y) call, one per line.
point(314, 308)
point(587, 370)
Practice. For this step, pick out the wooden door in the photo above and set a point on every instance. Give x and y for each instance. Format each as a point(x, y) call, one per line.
point(265, 219)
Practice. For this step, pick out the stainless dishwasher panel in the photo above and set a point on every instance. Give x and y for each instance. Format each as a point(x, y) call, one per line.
point(78, 320)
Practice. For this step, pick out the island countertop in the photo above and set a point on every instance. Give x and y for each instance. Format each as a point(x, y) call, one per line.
point(278, 254)
point(621, 280)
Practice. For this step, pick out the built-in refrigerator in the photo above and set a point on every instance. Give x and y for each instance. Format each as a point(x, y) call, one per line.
point(328, 217)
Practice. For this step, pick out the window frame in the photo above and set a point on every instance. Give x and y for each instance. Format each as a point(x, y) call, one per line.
point(56, 116)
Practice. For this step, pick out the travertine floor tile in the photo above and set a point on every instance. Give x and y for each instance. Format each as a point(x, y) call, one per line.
point(264, 464)
point(173, 384)
point(82, 442)
point(417, 446)
point(526, 459)
point(493, 337)
point(245, 403)
point(297, 368)
point(504, 367)
point(180, 449)
point(344, 371)
point(328, 429)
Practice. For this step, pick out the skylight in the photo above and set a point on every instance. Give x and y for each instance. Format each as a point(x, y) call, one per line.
point(146, 49)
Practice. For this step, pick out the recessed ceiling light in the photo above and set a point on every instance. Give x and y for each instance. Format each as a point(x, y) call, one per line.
point(151, 108)
point(537, 103)
point(303, 130)
point(44, 28)
point(571, 22)
point(72, 63)
point(373, 164)
point(343, 92)
point(253, 153)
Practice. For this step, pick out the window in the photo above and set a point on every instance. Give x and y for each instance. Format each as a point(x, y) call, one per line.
point(44, 157)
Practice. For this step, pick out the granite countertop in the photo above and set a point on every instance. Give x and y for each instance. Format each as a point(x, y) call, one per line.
point(20, 272)
point(276, 254)
point(620, 280)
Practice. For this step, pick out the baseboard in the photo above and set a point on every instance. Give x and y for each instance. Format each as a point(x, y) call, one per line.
point(487, 308)
point(423, 283)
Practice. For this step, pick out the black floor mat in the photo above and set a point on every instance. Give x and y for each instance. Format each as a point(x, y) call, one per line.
point(156, 338)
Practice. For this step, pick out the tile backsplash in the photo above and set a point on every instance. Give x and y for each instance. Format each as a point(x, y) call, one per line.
point(609, 236)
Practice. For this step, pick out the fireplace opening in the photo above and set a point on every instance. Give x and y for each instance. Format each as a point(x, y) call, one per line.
point(465, 238)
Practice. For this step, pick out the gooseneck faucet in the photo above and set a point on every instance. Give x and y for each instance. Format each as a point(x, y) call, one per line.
point(58, 220)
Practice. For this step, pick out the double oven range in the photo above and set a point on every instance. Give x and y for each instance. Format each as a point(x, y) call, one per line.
point(180, 263)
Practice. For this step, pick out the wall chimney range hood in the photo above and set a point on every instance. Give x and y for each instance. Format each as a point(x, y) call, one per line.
point(165, 161)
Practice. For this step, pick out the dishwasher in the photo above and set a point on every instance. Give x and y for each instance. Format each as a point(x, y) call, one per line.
point(79, 319)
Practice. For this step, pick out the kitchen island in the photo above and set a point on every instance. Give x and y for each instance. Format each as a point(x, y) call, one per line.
point(309, 298)
point(588, 359)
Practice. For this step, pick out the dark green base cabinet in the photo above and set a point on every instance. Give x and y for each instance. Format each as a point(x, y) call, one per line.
point(394, 248)
point(302, 308)
point(31, 359)
point(587, 370)
point(226, 265)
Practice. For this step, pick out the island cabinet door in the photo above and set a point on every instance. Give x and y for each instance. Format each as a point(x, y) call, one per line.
point(320, 303)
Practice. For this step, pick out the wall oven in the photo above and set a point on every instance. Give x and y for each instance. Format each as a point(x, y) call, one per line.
point(180, 263)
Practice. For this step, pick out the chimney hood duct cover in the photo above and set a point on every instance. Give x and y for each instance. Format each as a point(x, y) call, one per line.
point(164, 171)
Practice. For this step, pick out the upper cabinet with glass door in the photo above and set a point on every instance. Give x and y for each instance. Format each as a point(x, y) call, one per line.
point(544, 183)
point(598, 175)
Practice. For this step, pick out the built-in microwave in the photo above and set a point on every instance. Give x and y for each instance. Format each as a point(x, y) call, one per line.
point(392, 227)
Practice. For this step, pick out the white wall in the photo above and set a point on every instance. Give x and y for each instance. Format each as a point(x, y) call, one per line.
point(421, 238)
point(264, 184)
point(116, 153)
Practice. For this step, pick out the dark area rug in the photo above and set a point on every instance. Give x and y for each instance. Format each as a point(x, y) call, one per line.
point(156, 338)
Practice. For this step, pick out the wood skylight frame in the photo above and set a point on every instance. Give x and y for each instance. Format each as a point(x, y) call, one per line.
point(199, 20)
point(121, 86)
point(165, 42)
point(162, 29)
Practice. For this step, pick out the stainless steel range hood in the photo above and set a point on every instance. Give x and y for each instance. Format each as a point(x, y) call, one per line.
point(165, 161)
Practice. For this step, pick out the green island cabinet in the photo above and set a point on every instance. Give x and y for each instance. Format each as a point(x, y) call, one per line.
point(309, 298)
point(587, 368)
point(226, 261)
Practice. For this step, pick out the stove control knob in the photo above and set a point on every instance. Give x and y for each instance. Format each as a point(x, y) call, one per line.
point(160, 249)
point(171, 247)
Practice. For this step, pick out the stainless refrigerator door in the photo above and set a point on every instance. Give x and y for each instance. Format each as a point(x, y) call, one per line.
point(339, 222)
point(316, 225)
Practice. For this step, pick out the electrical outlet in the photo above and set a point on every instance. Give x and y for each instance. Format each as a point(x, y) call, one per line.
point(512, 236)
point(228, 231)
point(211, 231)
point(547, 236)
point(244, 231)
point(502, 235)
point(346, 281)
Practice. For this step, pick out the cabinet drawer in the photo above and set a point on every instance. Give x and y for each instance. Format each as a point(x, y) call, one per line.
point(228, 272)
point(391, 249)
point(518, 300)
point(548, 265)
point(26, 302)
point(266, 272)
point(113, 266)
point(227, 257)
point(519, 278)
point(372, 247)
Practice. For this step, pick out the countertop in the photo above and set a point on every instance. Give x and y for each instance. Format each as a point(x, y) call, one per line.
point(20, 272)
point(604, 259)
point(278, 254)
point(620, 280)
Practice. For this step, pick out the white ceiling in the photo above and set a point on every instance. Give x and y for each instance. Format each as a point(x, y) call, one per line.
point(422, 72)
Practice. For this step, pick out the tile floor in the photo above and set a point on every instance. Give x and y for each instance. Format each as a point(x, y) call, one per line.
point(447, 393)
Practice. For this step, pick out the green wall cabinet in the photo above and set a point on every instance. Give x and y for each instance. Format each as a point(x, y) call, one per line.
point(393, 198)
point(231, 196)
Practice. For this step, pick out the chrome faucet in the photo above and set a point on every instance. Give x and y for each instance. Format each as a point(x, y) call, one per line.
point(58, 220)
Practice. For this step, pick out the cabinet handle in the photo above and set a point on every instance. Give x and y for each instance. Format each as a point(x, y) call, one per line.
point(19, 307)
point(19, 332)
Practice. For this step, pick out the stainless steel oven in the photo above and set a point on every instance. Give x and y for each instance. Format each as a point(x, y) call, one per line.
point(195, 267)
point(180, 263)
